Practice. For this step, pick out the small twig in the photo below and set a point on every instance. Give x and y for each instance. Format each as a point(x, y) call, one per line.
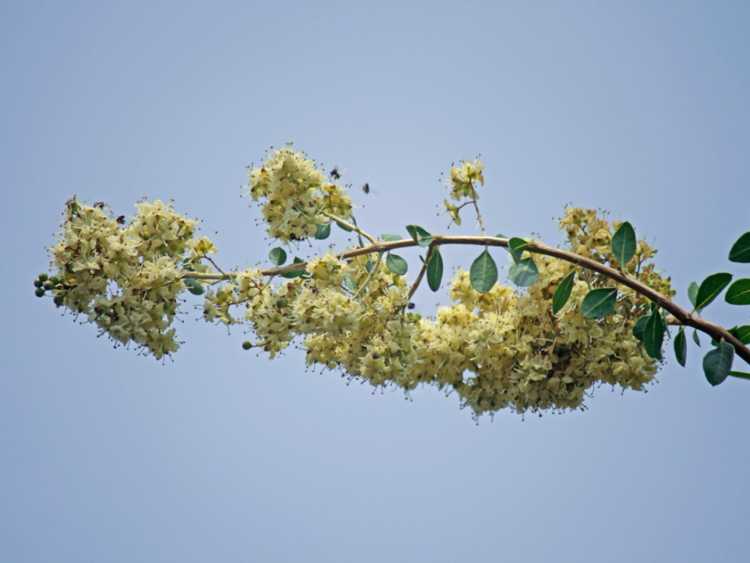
point(352, 227)
point(370, 275)
point(214, 264)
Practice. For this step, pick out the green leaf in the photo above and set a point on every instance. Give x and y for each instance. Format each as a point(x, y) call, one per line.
point(653, 337)
point(599, 303)
point(515, 247)
point(741, 249)
point(349, 284)
point(696, 338)
point(739, 293)
point(435, 269)
point(562, 292)
point(717, 363)
point(194, 286)
point(740, 374)
point(420, 236)
point(710, 288)
point(639, 328)
point(277, 256)
point(390, 238)
point(396, 264)
point(295, 273)
point(623, 243)
point(323, 231)
point(483, 272)
point(742, 333)
point(680, 347)
point(524, 272)
point(693, 293)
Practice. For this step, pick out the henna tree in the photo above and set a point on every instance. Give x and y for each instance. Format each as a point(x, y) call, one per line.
point(596, 311)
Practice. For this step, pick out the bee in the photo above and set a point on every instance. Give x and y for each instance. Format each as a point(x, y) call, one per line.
point(366, 188)
point(335, 173)
point(120, 220)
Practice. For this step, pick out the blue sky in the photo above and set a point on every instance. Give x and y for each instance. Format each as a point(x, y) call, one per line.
point(639, 108)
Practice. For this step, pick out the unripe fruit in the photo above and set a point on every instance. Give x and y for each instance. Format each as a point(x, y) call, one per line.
point(48, 285)
point(39, 292)
point(246, 345)
point(38, 283)
point(43, 277)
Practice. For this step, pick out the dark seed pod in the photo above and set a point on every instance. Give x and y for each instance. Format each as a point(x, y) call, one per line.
point(39, 292)
point(246, 345)
point(43, 277)
point(38, 283)
point(411, 305)
point(48, 285)
point(58, 300)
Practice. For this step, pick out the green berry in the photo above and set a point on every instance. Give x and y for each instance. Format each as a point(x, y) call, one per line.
point(48, 285)
point(39, 292)
point(246, 345)
point(38, 283)
point(43, 277)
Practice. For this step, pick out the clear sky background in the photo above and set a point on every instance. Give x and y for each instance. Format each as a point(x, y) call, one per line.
point(219, 455)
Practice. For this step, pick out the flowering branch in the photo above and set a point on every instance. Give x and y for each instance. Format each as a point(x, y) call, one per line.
point(681, 315)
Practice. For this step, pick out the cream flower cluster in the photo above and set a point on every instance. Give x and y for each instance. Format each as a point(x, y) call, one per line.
point(500, 349)
point(295, 195)
point(126, 278)
point(463, 180)
point(495, 350)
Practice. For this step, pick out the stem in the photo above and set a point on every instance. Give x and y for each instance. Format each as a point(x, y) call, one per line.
point(347, 225)
point(370, 275)
point(681, 315)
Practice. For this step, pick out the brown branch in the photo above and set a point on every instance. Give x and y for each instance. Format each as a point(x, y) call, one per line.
point(683, 316)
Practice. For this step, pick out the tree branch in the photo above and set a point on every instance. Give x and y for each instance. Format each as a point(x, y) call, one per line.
point(681, 315)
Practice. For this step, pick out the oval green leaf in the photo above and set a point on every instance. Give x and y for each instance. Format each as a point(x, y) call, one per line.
point(277, 256)
point(653, 337)
point(396, 264)
point(693, 293)
point(420, 236)
point(680, 347)
point(194, 286)
point(295, 273)
point(623, 243)
point(599, 303)
point(717, 363)
point(562, 292)
point(483, 272)
point(740, 251)
point(515, 247)
point(696, 338)
point(349, 284)
point(323, 231)
point(524, 272)
point(710, 288)
point(739, 293)
point(742, 333)
point(639, 328)
point(435, 269)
